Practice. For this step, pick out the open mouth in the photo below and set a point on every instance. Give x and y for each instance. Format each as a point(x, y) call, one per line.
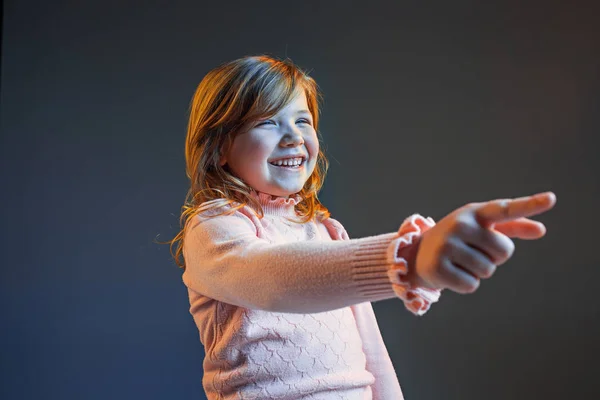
point(289, 163)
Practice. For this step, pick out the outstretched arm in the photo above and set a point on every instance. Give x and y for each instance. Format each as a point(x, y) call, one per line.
point(226, 261)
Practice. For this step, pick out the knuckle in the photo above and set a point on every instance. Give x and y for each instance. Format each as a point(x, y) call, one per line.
point(488, 271)
point(473, 286)
point(501, 257)
point(447, 246)
point(469, 286)
point(444, 268)
point(506, 211)
point(511, 247)
point(467, 209)
point(461, 224)
point(507, 250)
point(445, 274)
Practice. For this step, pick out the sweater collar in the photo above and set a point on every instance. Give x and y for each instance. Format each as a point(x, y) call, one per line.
point(274, 205)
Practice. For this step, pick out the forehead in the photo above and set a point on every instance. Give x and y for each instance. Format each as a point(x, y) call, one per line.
point(297, 103)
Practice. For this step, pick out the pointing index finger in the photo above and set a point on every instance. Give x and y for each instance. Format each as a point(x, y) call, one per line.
point(502, 210)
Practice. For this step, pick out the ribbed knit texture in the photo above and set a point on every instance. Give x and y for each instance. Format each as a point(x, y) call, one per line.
point(283, 309)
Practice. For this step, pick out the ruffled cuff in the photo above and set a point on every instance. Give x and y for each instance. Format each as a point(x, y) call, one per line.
point(416, 299)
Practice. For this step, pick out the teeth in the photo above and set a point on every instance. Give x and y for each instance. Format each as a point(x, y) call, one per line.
point(289, 162)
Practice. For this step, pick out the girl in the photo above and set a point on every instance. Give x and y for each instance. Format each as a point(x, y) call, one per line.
point(280, 294)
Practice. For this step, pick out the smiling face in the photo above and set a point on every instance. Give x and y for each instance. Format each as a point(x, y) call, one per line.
point(277, 155)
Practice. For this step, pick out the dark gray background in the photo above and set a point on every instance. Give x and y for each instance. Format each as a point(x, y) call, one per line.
point(428, 106)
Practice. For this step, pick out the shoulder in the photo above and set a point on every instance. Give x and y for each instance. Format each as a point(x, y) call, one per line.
point(212, 216)
point(213, 231)
point(335, 228)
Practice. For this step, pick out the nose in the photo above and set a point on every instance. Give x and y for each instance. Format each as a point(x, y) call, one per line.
point(292, 138)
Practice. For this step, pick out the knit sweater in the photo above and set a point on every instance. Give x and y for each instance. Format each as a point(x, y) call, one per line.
point(284, 308)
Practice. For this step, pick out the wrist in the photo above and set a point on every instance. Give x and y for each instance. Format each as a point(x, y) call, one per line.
point(409, 253)
point(402, 256)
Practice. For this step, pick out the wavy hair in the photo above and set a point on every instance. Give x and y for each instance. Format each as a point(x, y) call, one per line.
point(226, 102)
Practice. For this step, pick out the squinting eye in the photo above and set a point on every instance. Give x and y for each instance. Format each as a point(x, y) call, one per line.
point(304, 120)
point(264, 122)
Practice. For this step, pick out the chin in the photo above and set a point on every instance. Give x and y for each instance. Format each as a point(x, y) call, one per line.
point(284, 192)
point(287, 193)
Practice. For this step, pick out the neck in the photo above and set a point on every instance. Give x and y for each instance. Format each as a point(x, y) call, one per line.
point(277, 205)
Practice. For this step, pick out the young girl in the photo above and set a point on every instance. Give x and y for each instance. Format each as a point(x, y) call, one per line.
point(280, 294)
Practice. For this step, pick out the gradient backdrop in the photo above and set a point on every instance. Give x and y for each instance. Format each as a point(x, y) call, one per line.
point(428, 106)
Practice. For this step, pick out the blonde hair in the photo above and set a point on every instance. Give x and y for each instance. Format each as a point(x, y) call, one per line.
point(227, 100)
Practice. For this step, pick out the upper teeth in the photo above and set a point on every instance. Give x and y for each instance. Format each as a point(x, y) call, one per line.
point(288, 161)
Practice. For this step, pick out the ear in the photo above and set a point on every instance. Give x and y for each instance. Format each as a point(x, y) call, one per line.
point(222, 157)
point(224, 151)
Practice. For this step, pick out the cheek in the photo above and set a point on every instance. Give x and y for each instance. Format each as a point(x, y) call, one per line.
point(258, 145)
point(313, 149)
point(249, 151)
point(312, 145)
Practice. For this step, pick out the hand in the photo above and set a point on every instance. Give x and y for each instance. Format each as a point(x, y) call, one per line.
point(468, 244)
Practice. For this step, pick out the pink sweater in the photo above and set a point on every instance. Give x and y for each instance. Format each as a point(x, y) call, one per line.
point(283, 309)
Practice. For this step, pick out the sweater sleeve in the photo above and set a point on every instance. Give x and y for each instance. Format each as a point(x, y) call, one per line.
point(227, 261)
point(386, 384)
point(402, 251)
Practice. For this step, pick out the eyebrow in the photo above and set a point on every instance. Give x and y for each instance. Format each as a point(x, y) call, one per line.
point(303, 112)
